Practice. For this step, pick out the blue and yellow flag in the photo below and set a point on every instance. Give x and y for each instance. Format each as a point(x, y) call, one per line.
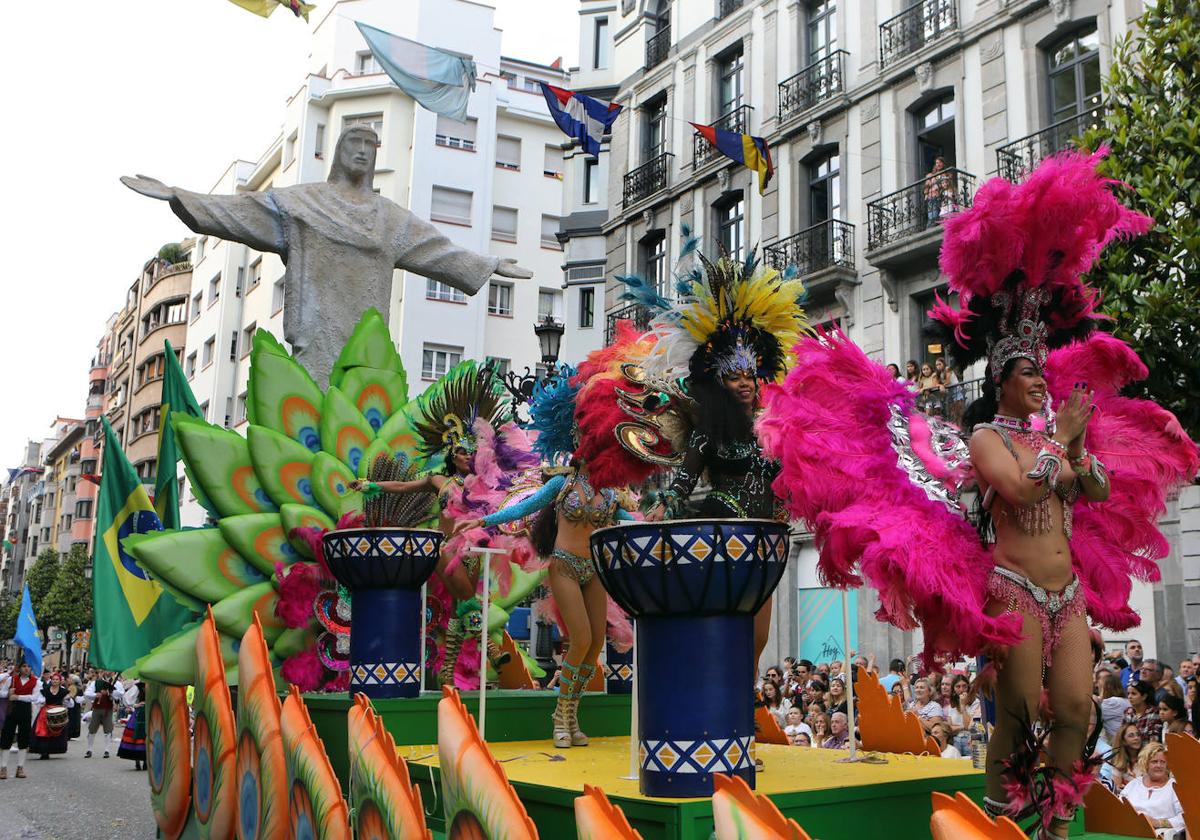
point(133, 614)
point(177, 398)
point(751, 152)
point(27, 634)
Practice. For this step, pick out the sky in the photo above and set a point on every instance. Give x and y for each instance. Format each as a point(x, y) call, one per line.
point(176, 89)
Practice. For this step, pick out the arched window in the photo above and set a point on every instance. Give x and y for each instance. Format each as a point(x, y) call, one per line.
point(1074, 72)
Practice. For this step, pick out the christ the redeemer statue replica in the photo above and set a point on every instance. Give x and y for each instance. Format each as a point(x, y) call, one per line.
point(340, 241)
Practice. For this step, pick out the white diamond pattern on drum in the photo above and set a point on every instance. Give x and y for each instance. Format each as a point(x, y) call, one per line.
point(724, 755)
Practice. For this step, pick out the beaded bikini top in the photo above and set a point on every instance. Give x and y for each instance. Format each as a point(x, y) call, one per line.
point(579, 502)
point(1034, 518)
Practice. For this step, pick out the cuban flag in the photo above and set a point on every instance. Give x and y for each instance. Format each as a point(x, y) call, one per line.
point(582, 117)
point(750, 152)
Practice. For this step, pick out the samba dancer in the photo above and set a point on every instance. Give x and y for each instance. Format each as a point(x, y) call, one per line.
point(1059, 539)
point(23, 693)
point(568, 510)
point(50, 733)
point(459, 415)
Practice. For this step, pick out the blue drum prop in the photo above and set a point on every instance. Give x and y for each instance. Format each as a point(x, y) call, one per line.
point(693, 585)
point(618, 670)
point(384, 569)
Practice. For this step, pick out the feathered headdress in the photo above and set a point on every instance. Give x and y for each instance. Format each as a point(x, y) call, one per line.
point(446, 413)
point(730, 317)
point(552, 414)
point(1017, 257)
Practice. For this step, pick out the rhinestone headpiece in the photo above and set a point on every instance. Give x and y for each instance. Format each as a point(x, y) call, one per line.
point(1026, 337)
point(742, 358)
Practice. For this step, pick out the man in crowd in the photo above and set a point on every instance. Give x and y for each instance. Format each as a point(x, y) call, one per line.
point(1152, 672)
point(105, 693)
point(1133, 656)
point(1187, 670)
point(839, 732)
point(894, 675)
point(18, 726)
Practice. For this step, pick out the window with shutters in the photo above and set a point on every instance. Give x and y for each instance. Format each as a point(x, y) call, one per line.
point(504, 224)
point(455, 134)
point(508, 153)
point(451, 205)
point(550, 226)
point(552, 167)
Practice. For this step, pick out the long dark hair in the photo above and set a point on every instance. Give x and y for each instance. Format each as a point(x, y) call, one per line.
point(544, 533)
point(720, 417)
point(982, 410)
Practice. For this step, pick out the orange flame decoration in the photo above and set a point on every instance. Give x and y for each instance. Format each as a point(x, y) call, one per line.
point(883, 723)
point(768, 728)
point(261, 767)
point(385, 799)
point(214, 739)
point(961, 819)
point(598, 819)
point(315, 800)
point(1105, 813)
point(738, 814)
point(514, 674)
point(1183, 757)
point(472, 780)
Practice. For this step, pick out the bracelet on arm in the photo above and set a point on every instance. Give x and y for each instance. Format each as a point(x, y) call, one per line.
point(1095, 469)
point(370, 490)
point(1046, 470)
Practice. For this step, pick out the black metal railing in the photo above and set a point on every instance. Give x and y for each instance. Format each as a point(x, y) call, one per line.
point(635, 312)
point(824, 245)
point(950, 402)
point(918, 206)
point(915, 27)
point(657, 47)
point(815, 83)
point(727, 7)
point(1018, 158)
point(737, 121)
point(647, 179)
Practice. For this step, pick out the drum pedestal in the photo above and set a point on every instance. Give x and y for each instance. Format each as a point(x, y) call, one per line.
point(618, 670)
point(384, 569)
point(693, 586)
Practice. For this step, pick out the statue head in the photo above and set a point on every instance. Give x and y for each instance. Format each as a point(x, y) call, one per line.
point(354, 157)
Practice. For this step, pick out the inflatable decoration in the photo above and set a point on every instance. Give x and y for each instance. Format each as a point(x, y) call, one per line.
point(316, 808)
point(959, 818)
point(740, 815)
point(269, 493)
point(598, 819)
point(167, 751)
point(1183, 757)
point(384, 569)
point(214, 736)
point(262, 790)
point(387, 805)
point(477, 798)
point(884, 724)
point(1105, 813)
point(694, 586)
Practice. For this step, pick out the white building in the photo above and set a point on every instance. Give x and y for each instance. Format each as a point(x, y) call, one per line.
point(493, 184)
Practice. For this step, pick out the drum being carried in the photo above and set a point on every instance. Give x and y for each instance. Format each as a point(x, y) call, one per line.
point(693, 586)
point(56, 719)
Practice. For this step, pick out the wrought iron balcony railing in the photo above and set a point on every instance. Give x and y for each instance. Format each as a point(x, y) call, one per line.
point(647, 179)
point(635, 312)
point(1018, 158)
point(824, 245)
point(815, 83)
point(737, 121)
point(727, 7)
point(918, 206)
point(915, 27)
point(657, 47)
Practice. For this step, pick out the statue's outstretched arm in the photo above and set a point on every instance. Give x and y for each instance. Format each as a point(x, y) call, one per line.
point(423, 249)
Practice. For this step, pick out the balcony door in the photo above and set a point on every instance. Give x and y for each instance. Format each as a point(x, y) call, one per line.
point(1074, 75)
point(654, 137)
point(730, 69)
point(821, 38)
point(824, 189)
point(935, 135)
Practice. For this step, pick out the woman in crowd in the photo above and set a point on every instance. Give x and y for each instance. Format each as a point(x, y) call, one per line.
point(133, 738)
point(1152, 793)
point(961, 712)
point(837, 695)
point(941, 733)
point(775, 703)
point(820, 729)
point(1173, 715)
point(954, 398)
point(1142, 711)
point(932, 393)
point(894, 370)
point(801, 739)
point(1122, 764)
point(911, 374)
point(928, 710)
point(1113, 704)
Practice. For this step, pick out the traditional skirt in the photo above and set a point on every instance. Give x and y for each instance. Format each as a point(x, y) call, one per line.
point(133, 740)
point(43, 741)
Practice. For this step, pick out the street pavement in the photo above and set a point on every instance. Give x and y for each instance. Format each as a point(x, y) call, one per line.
point(68, 797)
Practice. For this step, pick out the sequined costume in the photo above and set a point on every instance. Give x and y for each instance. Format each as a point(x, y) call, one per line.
point(739, 476)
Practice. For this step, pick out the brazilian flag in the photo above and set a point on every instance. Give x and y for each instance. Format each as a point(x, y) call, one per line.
point(133, 614)
point(177, 397)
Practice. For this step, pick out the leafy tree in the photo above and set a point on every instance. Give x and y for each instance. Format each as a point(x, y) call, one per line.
point(68, 604)
point(40, 579)
point(10, 608)
point(172, 253)
point(1150, 284)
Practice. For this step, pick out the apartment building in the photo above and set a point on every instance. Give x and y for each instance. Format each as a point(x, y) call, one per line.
point(858, 102)
point(24, 491)
point(493, 184)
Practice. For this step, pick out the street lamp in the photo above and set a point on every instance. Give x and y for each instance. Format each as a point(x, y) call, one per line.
point(549, 334)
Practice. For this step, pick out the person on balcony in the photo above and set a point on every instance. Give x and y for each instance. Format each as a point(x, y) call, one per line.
point(938, 190)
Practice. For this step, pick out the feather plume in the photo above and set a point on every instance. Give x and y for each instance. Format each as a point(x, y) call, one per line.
point(552, 414)
point(639, 291)
point(450, 407)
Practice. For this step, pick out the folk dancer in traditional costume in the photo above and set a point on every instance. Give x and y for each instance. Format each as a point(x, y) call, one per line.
point(463, 419)
point(51, 718)
point(23, 692)
point(1070, 501)
point(133, 736)
point(105, 695)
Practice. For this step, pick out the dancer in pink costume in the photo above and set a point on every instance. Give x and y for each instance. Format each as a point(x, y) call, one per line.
point(1069, 501)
